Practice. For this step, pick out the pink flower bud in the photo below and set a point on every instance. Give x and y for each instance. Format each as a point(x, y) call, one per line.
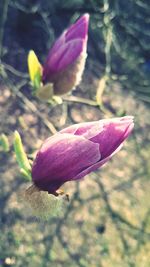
point(66, 59)
point(77, 150)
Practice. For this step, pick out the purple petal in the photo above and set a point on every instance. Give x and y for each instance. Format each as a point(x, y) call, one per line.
point(114, 132)
point(56, 46)
point(96, 165)
point(65, 56)
point(61, 158)
point(108, 133)
point(78, 150)
point(78, 29)
point(66, 49)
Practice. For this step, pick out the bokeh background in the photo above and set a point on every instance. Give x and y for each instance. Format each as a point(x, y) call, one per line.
point(107, 221)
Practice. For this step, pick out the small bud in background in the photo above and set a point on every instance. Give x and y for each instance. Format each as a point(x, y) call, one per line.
point(65, 62)
point(4, 143)
point(68, 79)
point(66, 59)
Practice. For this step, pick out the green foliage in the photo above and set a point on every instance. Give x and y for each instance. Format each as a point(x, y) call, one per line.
point(36, 82)
point(21, 156)
point(4, 143)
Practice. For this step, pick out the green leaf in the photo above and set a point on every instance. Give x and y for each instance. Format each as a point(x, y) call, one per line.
point(4, 142)
point(21, 156)
point(37, 81)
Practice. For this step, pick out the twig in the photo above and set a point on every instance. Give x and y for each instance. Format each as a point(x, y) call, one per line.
point(28, 105)
point(3, 17)
point(33, 108)
point(89, 102)
point(14, 71)
point(82, 100)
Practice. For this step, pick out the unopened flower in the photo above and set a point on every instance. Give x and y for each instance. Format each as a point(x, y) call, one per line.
point(77, 150)
point(35, 69)
point(65, 62)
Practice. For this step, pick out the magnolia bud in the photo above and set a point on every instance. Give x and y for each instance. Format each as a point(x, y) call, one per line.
point(66, 59)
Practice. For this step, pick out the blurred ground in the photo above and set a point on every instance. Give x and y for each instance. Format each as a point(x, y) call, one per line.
point(107, 222)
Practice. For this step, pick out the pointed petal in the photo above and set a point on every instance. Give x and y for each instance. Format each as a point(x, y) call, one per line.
point(114, 132)
point(34, 65)
point(78, 29)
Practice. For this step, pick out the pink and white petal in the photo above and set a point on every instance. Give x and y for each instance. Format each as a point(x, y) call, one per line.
point(85, 129)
